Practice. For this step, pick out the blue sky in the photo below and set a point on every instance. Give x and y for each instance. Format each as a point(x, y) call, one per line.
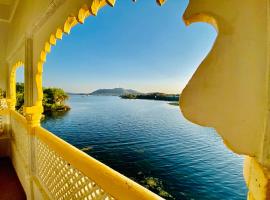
point(134, 45)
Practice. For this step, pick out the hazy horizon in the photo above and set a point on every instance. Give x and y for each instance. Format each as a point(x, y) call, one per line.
point(138, 46)
point(121, 88)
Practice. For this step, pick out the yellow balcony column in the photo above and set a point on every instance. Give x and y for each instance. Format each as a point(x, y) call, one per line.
point(11, 88)
point(32, 112)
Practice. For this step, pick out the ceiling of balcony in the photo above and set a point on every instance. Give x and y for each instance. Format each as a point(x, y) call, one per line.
point(7, 9)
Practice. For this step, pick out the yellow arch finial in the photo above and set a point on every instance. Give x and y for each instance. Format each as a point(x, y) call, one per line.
point(59, 34)
point(70, 22)
point(111, 2)
point(161, 2)
point(83, 14)
point(95, 7)
point(53, 39)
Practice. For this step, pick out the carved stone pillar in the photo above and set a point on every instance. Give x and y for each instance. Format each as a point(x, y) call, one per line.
point(32, 112)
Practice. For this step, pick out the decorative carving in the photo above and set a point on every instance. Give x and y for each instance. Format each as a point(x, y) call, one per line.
point(33, 115)
point(111, 2)
point(161, 2)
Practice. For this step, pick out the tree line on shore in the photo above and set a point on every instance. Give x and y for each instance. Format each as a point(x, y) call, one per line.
point(54, 99)
point(153, 96)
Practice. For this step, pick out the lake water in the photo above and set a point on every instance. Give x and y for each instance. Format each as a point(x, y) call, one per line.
point(152, 143)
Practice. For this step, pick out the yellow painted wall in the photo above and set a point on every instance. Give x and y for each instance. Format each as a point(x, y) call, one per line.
point(229, 90)
point(3, 75)
point(3, 39)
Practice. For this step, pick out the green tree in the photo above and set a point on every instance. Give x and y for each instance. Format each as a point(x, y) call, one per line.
point(53, 99)
point(19, 96)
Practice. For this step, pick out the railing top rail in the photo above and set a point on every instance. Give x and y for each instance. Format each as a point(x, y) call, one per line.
point(18, 117)
point(112, 182)
point(4, 112)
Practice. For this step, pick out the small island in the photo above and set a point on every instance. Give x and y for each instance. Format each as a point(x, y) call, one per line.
point(153, 96)
point(54, 100)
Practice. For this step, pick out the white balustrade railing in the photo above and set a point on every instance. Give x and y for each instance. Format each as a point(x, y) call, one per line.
point(3, 106)
point(62, 180)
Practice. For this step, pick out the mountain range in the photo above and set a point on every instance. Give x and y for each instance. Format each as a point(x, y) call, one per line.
point(114, 92)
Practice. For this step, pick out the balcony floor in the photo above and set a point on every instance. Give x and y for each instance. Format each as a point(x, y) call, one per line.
point(11, 188)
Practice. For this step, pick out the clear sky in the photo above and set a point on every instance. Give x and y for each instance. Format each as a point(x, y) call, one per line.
point(134, 45)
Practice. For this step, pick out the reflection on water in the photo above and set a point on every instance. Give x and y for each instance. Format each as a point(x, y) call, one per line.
point(151, 142)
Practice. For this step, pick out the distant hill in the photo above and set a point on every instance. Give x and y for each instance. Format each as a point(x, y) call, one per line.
point(114, 92)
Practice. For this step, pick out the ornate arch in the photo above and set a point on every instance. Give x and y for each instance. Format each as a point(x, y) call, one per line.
point(71, 21)
point(230, 89)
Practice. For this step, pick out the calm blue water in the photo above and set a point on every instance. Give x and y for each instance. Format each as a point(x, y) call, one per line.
point(152, 143)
